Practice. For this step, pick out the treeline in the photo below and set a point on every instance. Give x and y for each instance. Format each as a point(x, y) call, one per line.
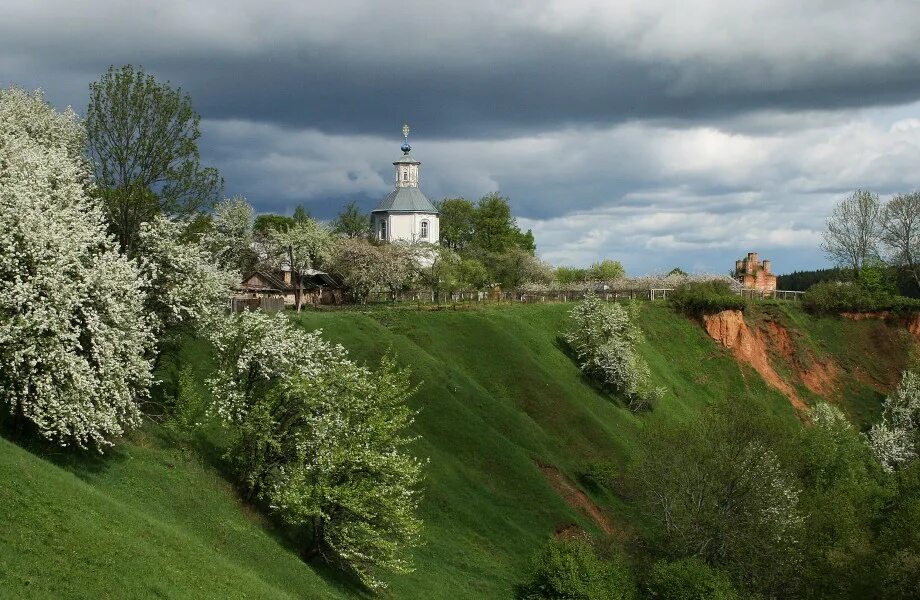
point(802, 280)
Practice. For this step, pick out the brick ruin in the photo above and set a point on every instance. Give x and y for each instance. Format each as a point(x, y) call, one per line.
point(753, 274)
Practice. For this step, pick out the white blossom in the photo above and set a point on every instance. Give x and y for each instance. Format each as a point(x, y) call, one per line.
point(182, 283)
point(74, 338)
point(604, 338)
point(895, 440)
point(321, 440)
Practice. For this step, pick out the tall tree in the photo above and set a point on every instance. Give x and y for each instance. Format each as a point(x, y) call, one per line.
point(300, 214)
point(901, 232)
point(495, 229)
point(854, 230)
point(606, 270)
point(142, 136)
point(352, 223)
point(267, 222)
point(456, 223)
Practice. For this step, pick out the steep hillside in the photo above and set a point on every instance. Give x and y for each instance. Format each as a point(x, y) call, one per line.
point(507, 421)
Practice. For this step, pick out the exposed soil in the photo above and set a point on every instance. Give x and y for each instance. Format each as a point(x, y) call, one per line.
point(570, 531)
point(913, 326)
point(751, 347)
point(911, 323)
point(821, 377)
point(577, 499)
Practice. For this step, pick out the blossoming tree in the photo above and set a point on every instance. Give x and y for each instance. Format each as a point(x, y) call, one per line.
point(321, 440)
point(74, 336)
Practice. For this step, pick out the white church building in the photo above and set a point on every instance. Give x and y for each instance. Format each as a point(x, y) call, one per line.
point(406, 214)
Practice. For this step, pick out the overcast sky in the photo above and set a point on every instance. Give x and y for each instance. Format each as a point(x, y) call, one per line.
point(662, 134)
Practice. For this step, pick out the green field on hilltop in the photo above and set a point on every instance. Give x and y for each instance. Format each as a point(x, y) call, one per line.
point(498, 399)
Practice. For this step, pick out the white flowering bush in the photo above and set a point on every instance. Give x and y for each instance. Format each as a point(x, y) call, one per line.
point(74, 336)
point(895, 440)
point(230, 240)
point(183, 285)
point(321, 441)
point(604, 338)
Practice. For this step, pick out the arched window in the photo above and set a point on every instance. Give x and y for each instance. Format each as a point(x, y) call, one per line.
point(406, 175)
point(424, 230)
point(383, 230)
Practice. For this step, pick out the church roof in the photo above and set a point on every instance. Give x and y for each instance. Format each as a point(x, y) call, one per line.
point(406, 199)
point(405, 159)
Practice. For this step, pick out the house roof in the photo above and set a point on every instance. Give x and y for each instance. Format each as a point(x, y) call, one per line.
point(274, 281)
point(406, 199)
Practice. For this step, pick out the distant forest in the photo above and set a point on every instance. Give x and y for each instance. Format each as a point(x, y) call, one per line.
point(802, 280)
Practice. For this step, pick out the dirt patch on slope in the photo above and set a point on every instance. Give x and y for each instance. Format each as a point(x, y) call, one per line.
point(909, 322)
point(729, 329)
point(913, 326)
point(577, 499)
point(821, 377)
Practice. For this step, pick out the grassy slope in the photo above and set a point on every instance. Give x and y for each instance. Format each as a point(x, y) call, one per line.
point(156, 520)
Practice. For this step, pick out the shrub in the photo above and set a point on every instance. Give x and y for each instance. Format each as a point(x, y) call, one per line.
point(895, 440)
point(604, 339)
point(715, 487)
point(706, 298)
point(571, 568)
point(74, 337)
point(321, 441)
point(689, 579)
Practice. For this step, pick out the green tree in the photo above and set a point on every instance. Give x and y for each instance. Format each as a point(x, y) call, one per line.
point(572, 568)
point(897, 558)
point(495, 230)
point(300, 214)
point(516, 267)
point(352, 223)
point(437, 268)
point(456, 223)
point(606, 270)
point(473, 274)
point(268, 222)
point(320, 440)
point(571, 275)
point(689, 579)
point(142, 137)
point(716, 488)
point(844, 493)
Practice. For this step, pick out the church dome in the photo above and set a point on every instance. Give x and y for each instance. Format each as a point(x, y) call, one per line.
point(406, 199)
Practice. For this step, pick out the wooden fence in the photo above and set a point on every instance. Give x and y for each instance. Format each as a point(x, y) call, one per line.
point(266, 304)
point(481, 297)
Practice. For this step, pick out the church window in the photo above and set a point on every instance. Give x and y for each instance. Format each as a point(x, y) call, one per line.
point(406, 175)
point(424, 230)
point(383, 230)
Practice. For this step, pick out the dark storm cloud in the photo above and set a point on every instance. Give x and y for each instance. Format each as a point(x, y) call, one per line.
point(480, 72)
point(654, 131)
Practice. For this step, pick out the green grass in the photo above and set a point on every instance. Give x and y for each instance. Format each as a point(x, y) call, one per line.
point(156, 518)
